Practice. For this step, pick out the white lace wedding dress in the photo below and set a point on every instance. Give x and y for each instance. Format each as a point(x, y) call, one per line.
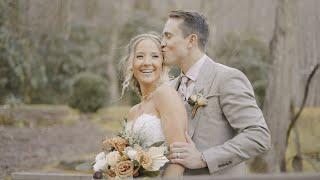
point(149, 126)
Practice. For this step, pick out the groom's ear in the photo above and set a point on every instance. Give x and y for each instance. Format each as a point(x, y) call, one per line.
point(193, 40)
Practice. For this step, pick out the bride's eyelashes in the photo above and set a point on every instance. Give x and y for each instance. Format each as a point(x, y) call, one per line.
point(139, 57)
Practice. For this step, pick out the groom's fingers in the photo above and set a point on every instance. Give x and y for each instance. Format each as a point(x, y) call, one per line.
point(178, 145)
point(177, 150)
point(188, 138)
point(177, 156)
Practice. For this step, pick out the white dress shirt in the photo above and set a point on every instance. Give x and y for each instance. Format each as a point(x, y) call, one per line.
point(192, 74)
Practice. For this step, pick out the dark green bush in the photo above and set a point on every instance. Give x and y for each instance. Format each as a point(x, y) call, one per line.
point(88, 92)
point(65, 58)
point(248, 54)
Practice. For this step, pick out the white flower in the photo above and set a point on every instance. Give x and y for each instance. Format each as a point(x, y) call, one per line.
point(113, 157)
point(158, 158)
point(101, 156)
point(193, 98)
point(100, 166)
point(132, 154)
point(101, 162)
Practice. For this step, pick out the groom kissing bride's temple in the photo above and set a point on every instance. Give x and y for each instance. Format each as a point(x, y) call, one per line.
point(207, 118)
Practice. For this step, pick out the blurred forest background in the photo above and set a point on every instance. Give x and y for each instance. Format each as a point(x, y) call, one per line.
point(60, 81)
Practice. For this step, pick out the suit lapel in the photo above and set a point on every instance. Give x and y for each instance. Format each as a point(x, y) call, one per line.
point(203, 84)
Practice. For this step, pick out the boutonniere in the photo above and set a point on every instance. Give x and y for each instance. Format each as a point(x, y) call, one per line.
point(196, 101)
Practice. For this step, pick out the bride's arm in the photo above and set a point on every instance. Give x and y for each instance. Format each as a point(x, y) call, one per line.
point(173, 120)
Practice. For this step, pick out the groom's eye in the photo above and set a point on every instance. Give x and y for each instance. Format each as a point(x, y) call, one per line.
point(167, 35)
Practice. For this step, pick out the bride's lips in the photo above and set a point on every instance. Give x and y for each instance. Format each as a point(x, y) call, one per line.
point(147, 71)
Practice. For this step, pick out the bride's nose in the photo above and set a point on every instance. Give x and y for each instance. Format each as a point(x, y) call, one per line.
point(147, 60)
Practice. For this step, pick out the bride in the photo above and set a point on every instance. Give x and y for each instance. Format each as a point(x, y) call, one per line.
point(161, 114)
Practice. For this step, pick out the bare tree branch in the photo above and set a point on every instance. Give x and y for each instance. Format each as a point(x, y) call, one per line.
point(294, 120)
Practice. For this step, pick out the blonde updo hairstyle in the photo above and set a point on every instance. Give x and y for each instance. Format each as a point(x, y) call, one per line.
point(127, 63)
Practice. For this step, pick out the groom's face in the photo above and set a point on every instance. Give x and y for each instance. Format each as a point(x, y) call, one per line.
point(174, 45)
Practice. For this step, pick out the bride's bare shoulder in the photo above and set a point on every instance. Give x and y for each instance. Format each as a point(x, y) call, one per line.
point(166, 92)
point(165, 89)
point(133, 112)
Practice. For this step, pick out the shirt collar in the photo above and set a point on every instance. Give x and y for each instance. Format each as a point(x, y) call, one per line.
point(194, 70)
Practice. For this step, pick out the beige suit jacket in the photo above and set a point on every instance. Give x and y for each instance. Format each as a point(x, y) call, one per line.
point(231, 128)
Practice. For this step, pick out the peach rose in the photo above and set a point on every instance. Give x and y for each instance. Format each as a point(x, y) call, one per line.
point(111, 173)
point(124, 169)
point(117, 142)
point(144, 159)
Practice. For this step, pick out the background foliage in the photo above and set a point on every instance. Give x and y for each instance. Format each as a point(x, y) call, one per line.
point(46, 44)
point(88, 92)
point(38, 68)
point(250, 55)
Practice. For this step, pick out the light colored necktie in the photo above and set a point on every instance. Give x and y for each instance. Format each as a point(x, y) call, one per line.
point(183, 86)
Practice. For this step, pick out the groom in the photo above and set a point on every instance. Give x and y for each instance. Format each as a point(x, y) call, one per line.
point(230, 128)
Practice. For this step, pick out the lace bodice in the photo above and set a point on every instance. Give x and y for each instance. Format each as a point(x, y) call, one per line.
point(149, 126)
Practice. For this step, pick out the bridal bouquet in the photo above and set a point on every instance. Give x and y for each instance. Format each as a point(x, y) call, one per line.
point(125, 156)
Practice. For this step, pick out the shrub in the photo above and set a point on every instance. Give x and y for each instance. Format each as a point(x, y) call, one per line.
point(6, 116)
point(88, 92)
point(248, 54)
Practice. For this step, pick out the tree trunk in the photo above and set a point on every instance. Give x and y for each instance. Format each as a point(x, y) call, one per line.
point(111, 59)
point(279, 94)
point(111, 67)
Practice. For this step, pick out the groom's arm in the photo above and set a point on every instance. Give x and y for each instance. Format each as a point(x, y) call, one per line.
point(240, 109)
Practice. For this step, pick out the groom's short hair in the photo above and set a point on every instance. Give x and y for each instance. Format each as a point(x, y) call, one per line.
point(193, 22)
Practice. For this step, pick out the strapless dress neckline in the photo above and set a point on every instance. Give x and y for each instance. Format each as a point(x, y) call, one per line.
point(149, 126)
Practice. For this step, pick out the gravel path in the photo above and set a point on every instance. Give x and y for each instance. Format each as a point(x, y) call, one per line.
point(27, 149)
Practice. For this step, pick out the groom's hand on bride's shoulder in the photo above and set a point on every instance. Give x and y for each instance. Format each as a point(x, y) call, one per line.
point(186, 154)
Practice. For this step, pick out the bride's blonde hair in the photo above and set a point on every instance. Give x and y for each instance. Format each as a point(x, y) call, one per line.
point(127, 63)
